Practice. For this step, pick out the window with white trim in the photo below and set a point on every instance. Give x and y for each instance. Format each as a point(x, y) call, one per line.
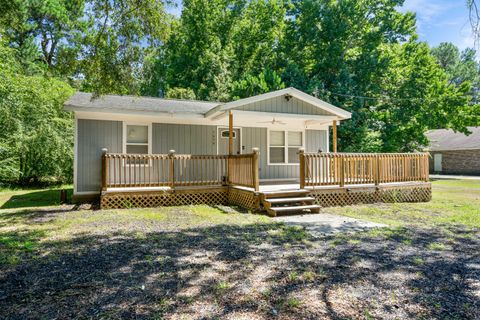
point(137, 139)
point(283, 146)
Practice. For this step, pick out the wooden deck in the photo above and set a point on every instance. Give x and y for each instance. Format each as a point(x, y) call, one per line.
point(325, 180)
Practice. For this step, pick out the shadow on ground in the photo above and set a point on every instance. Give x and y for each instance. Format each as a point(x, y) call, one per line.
point(262, 271)
point(42, 198)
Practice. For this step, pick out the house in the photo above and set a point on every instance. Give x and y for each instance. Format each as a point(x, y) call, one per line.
point(454, 152)
point(151, 151)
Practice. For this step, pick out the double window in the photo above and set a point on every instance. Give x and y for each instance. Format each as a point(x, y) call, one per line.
point(283, 146)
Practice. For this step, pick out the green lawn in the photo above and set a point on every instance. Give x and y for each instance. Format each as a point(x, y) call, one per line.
point(454, 203)
point(28, 198)
point(215, 262)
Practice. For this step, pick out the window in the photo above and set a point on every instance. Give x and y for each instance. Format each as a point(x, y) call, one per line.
point(283, 146)
point(137, 139)
point(224, 134)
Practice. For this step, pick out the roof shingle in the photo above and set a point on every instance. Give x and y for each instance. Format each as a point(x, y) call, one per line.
point(446, 139)
point(142, 104)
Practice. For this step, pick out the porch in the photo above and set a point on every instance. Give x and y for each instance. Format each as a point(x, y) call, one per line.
point(325, 179)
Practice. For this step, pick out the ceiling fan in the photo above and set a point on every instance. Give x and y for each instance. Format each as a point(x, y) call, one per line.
point(273, 121)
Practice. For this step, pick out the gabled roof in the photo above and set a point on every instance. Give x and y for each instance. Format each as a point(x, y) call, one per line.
point(343, 114)
point(82, 101)
point(446, 139)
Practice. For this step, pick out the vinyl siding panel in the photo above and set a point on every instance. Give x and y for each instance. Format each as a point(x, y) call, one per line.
point(184, 138)
point(281, 105)
point(316, 140)
point(257, 137)
point(93, 135)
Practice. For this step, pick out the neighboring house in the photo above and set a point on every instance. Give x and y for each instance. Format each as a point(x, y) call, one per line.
point(278, 123)
point(454, 152)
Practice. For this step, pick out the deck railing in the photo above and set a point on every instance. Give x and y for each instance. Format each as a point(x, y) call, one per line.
point(243, 170)
point(177, 170)
point(323, 169)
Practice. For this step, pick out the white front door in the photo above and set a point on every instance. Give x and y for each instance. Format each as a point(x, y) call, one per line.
point(437, 162)
point(222, 140)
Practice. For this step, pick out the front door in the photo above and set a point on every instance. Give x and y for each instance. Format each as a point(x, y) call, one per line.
point(222, 137)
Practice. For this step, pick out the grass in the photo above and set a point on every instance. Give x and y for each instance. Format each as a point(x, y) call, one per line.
point(201, 259)
point(454, 203)
point(30, 198)
point(23, 232)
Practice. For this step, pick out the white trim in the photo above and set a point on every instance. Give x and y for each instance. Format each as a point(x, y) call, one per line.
point(75, 155)
point(133, 112)
point(124, 134)
point(285, 146)
point(224, 127)
point(241, 121)
point(124, 140)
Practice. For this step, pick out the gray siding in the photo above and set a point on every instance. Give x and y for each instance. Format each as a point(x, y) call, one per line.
point(316, 140)
point(93, 135)
point(257, 137)
point(184, 138)
point(281, 105)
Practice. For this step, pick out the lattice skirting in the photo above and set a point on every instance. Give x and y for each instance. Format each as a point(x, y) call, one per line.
point(421, 192)
point(148, 199)
point(245, 199)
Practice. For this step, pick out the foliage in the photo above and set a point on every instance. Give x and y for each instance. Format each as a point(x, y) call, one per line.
point(97, 45)
point(361, 55)
point(180, 93)
point(459, 66)
point(37, 135)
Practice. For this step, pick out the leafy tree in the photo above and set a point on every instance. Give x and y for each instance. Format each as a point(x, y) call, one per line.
point(98, 45)
point(459, 66)
point(181, 93)
point(266, 81)
point(36, 139)
point(216, 43)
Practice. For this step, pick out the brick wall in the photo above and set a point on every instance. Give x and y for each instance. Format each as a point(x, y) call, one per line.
point(458, 162)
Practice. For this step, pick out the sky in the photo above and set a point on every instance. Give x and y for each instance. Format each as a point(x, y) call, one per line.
point(442, 21)
point(437, 21)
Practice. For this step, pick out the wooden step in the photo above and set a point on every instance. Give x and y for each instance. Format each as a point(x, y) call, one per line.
point(273, 211)
point(285, 193)
point(289, 200)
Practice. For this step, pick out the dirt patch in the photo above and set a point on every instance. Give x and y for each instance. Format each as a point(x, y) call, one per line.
point(257, 271)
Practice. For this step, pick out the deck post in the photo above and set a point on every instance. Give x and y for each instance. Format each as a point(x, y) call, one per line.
point(342, 171)
point(255, 179)
point(301, 156)
point(171, 155)
point(230, 133)
point(334, 140)
point(426, 167)
point(104, 169)
point(377, 169)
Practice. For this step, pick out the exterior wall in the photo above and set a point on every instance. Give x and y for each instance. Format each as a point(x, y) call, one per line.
point(92, 136)
point(257, 138)
point(458, 161)
point(281, 105)
point(184, 138)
